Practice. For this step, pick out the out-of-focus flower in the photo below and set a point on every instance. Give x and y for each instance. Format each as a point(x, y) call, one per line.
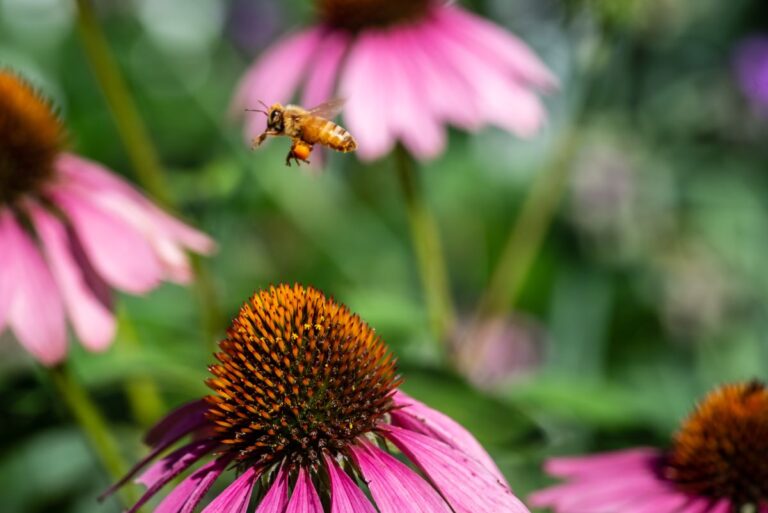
point(498, 350)
point(252, 24)
point(407, 68)
point(751, 68)
point(305, 397)
point(717, 464)
point(70, 230)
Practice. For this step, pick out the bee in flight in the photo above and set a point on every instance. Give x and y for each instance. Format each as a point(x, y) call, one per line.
point(306, 128)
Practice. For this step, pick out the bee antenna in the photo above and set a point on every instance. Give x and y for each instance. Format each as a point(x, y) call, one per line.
point(257, 110)
point(263, 104)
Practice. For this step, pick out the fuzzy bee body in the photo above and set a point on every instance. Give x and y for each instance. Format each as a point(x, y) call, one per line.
point(307, 128)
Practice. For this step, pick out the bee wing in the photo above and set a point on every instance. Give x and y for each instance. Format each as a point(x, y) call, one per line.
point(329, 109)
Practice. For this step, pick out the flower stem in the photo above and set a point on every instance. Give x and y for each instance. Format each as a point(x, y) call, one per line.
point(92, 424)
point(528, 233)
point(428, 249)
point(144, 397)
point(124, 112)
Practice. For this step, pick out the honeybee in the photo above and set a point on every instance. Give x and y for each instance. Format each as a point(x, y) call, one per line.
point(306, 128)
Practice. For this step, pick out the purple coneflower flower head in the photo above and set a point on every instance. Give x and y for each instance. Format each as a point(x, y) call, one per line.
point(751, 67)
point(307, 413)
point(717, 464)
point(407, 68)
point(69, 231)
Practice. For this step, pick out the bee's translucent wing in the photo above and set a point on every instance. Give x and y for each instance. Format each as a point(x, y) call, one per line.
point(329, 109)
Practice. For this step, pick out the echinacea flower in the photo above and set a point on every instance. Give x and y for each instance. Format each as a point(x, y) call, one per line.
point(407, 68)
point(306, 410)
point(718, 463)
point(70, 230)
point(751, 68)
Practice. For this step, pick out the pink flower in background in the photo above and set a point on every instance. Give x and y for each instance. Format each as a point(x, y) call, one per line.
point(69, 231)
point(306, 406)
point(751, 67)
point(717, 464)
point(407, 68)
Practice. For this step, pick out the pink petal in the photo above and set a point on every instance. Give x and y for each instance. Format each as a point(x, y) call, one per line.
point(119, 253)
point(445, 466)
point(664, 503)
point(92, 319)
point(496, 42)
point(304, 498)
point(275, 76)
point(395, 487)
point(324, 72)
point(187, 495)
point(34, 307)
point(164, 470)
point(410, 116)
point(168, 236)
point(368, 99)
point(6, 277)
point(502, 100)
point(346, 496)
point(722, 506)
point(180, 422)
point(276, 498)
point(603, 464)
point(237, 496)
point(416, 416)
point(698, 506)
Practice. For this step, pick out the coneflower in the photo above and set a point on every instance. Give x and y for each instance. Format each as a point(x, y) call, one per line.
point(407, 68)
point(69, 231)
point(716, 464)
point(306, 412)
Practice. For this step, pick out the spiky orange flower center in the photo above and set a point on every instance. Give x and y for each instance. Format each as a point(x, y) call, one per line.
point(359, 14)
point(721, 450)
point(298, 375)
point(30, 138)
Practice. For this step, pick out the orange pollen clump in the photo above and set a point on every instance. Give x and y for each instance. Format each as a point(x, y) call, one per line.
point(359, 14)
point(720, 450)
point(298, 375)
point(30, 138)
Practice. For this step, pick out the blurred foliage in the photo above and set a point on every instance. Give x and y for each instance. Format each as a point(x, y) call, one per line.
point(651, 286)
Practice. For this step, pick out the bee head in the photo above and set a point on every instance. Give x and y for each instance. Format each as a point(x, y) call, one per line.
point(275, 118)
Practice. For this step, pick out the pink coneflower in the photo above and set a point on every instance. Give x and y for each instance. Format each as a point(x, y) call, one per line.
point(717, 464)
point(70, 230)
point(407, 68)
point(306, 410)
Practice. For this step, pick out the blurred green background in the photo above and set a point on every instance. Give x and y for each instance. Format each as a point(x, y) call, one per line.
point(650, 287)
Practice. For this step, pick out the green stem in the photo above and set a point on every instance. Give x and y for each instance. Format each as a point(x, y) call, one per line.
point(213, 317)
point(428, 249)
point(124, 111)
point(144, 397)
point(528, 233)
point(92, 424)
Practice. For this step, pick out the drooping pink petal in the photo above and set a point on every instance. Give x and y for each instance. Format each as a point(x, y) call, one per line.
point(237, 496)
point(118, 252)
point(168, 236)
point(323, 73)
point(602, 464)
point(722, 506)
point(276, 498)
point(417, 416)
point(275, 76)
point(445, 466)
point(494, 41)
point(601, 491)
point(346, 496)
point(164, 470)
point(35, 310)
point(304, 498)
point(365, 88)
point(185, 496)
point(395, 488)
point(698, 505)
point(92, 320)
point(502, 100)
point(180, 422)
point(662, 503)
point(416, 125)
point(450, 96)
